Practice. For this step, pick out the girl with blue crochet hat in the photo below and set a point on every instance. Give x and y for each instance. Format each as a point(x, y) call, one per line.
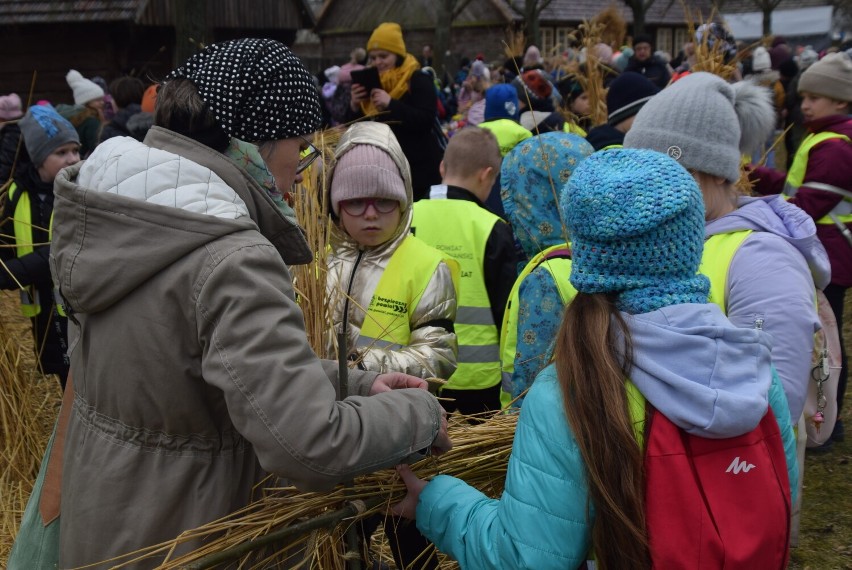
point(640, 329)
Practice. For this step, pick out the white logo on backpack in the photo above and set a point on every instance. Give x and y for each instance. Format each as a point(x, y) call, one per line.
point(736, 466)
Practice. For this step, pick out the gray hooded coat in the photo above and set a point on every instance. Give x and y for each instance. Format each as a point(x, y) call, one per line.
point(192, 374)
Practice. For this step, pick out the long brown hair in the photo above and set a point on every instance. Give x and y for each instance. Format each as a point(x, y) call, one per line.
point(593, 356)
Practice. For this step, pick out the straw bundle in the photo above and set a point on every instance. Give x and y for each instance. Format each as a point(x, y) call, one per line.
point(29, 403)
point(311, 207)
point(479, 456)
point(591, 75)
point(613, 27)
point(709, 58)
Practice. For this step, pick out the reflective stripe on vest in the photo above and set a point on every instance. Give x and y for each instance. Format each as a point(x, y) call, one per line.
point(24, 242)
point(387, 323)
point(841, 213)
point(716, 260)
point(559, 267)
point(470, 225)
point(23, 227)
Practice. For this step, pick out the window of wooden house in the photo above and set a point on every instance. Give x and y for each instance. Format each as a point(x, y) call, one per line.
point(546, 41)
point(563, 38)
point(681, 36)
point(664, 40)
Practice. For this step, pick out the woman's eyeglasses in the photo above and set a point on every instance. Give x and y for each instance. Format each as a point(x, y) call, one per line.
point(307, 156)
point(358, 206)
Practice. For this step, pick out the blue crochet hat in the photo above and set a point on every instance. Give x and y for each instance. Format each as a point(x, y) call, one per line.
point(636, 219)
point(501, 102)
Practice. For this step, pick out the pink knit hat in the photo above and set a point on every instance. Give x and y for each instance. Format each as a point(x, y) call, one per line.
point(10, 107)
point(366, 171)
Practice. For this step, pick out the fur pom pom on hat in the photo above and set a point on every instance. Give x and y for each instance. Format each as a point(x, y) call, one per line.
point(636, 220)
point(256, 88)
point(85, 90)
point(44, 130)
point(387, 36)
point(705, 123)
point(10, 107)
point(830, 77)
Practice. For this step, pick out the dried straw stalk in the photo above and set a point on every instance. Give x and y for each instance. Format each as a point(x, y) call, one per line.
point(29, 403)
point(311, 207)
point(479, 456)
point(591, 75)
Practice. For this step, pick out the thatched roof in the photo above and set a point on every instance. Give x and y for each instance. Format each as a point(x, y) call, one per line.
point(292, 14)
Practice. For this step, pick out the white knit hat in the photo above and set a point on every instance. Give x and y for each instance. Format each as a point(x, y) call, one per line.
point(85, 90)
point(760, 60)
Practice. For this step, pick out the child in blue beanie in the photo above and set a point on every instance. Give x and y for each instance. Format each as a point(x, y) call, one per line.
point(502, 110)
point(639, 329)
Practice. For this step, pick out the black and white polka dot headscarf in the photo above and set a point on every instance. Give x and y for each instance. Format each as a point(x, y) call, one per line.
point(256, 88)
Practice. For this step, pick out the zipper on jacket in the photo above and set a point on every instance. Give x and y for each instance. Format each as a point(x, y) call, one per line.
point(345, 320)
point(758, 323)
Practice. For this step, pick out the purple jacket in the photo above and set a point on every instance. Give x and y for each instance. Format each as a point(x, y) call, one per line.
point(830, 162)
point(771, 284)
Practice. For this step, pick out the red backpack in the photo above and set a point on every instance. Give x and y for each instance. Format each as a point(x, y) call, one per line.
point(716, 503)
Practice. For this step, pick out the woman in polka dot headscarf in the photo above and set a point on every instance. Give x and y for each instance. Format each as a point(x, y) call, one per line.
point(192, 376)
point(406, 101)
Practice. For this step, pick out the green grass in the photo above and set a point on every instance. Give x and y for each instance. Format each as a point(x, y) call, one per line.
point(825, 534)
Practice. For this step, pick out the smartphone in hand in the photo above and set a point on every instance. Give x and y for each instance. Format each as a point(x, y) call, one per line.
point(368, 78)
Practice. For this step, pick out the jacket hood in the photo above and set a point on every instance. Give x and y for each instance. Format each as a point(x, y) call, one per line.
point(716, 384)
point(775, 215)
point(531, 178)
point(132, 209)
point(380, 135)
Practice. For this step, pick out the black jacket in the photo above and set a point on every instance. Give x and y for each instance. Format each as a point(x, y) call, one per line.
point(50, 330)
point(10, 134)
point(654, 70)
point(605, 135)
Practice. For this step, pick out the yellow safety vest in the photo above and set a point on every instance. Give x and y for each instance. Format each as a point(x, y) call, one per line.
point(556, 259)
point(24, 242)
point(508, 133)
point(716, 260)
point(461, 228)
point(387, 323)
point(573, 129)
point(842, 213)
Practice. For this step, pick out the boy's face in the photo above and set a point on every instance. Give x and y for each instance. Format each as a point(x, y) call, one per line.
point(817, 106)
point(65, 155)
point(372, 221)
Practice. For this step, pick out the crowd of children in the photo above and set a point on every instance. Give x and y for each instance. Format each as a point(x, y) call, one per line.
point(617, 291)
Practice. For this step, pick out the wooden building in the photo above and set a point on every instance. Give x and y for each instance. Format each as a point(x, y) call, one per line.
point(110, 38)
point(483, 26)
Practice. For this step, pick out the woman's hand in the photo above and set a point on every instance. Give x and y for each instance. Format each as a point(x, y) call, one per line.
point(380, 99)
point(408, 506)
point(357, 94)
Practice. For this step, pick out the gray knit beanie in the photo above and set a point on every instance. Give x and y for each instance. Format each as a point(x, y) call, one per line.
point(44, 130)
point(705, 123)
point(830, 77)
point(366, 171)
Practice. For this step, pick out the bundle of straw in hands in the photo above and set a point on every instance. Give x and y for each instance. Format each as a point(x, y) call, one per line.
point(291, 528)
